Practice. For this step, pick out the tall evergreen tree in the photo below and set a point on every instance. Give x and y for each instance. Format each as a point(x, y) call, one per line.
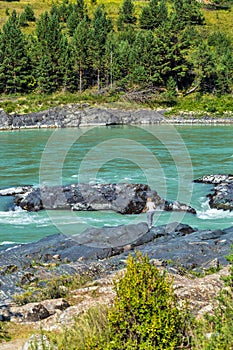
point(45, 72)
point(78, 14)
point(29, 13)
point(102, 26)
point(186, 12)
point(149, 18)
point(221, 47)
point(83, 49)
point(204, 68)
point(126, 15)
point(72, 22)
point(50, 39)
point(66, 62)
point(15, 66)
point(121, 62)
point(153, 15)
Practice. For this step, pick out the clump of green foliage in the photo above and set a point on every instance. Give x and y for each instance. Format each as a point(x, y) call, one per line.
point(146, 314)
point(215, 332)
point(3, 333)
point(90, 331)
point(57, 287)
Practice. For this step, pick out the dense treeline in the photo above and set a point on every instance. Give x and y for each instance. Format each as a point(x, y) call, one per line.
point(69, 51)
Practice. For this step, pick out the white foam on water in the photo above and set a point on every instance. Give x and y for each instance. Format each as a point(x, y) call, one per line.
point(22, 217)
point(8, 242)
point(214, 214)
point(15, 246)
point(208, 213)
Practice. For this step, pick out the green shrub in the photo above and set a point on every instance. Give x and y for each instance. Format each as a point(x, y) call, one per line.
point(215, 332)
point(3, 333)
point(89, 332)
point(146, 314)
point(57, 287)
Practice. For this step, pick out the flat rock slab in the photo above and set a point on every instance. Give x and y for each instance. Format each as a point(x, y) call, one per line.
point(98, 252)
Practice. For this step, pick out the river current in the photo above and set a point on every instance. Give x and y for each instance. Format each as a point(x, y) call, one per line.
point(168, 158)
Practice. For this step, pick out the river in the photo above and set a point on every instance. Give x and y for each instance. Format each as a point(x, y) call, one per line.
point(166, 157)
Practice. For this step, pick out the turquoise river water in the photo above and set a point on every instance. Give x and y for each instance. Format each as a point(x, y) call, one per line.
point(168, 158)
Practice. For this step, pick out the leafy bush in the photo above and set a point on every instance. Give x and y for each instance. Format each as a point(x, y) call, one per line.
point(146, 314)
point(215, 332)
point(90, 331)
point(3, 333)
point(57, 287)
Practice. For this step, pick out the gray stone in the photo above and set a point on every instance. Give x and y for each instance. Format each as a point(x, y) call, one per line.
point(222, 195)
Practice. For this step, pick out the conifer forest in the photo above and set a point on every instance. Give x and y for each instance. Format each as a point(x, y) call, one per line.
point(165, 46)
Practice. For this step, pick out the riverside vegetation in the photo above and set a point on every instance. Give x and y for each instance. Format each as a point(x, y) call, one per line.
point(177, 54)
point(146, 314)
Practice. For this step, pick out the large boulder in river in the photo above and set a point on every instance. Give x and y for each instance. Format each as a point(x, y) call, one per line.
point(222, 195)
point(124, 198)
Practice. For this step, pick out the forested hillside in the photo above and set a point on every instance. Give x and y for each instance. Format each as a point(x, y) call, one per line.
point(173, 47)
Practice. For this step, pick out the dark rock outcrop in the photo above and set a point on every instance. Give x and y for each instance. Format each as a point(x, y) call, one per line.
point(97, 252)
point(75, 115)
point(222, 196)
point(124, 198)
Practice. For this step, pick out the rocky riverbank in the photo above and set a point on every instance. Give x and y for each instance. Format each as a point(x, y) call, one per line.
point(99, 252)
point(100, 255)
point(222, 195)
point(75, 115)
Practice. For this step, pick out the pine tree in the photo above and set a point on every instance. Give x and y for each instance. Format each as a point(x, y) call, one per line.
point(102, 26)
point(15, 67)
point(23, 20)
point(72, 22)
point(126, 15)
point(45, 73)
point(121, 62)
point(83, 45)
point(163, 12)
point(66, 62)
point(204, 68)
point(50, 39)
point(150, 16)
point(186, 12)
point(78, 14)
point(220, 45)
point(29, 13)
